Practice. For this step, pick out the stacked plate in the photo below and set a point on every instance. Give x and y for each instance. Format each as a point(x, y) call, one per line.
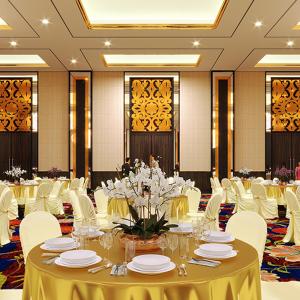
point(59, 244)
point(151, 264)
point(78, 259)
point(215, 251)
point(218, 237)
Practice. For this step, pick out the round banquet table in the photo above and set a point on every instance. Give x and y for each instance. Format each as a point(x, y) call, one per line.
point(277, 191)
point(23, 191)
point(236, 278)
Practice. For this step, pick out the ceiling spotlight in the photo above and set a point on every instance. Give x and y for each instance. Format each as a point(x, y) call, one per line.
point(13, 43)
point(45, 21)
point(196, 43)
point(290, 43)
point(73, 61)
point(107, 43)
point(258, 24)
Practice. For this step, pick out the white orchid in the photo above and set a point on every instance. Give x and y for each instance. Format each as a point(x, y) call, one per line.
point(15, 172)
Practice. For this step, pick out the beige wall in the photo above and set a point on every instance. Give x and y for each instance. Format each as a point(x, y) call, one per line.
point(53, 120)
point(195, 121)
point(108, 106)
point(250, 120)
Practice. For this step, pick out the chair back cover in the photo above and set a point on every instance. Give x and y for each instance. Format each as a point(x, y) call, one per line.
point(5, 204)
point(251, 228)
point(2, 187)
point(217, 182)
point(36, 228)
point(101, 201)
point(212, 184)
point(211, 215)
point(87, 209)
point(77, 213)
point(42, 196)
point(230, 192)
point(56, 188)
point(194, 196)
point(298, 193)
point(81, 182)
point(74, 185)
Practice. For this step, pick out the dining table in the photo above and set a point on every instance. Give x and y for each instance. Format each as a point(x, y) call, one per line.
point(23, 192)
point(235, 278)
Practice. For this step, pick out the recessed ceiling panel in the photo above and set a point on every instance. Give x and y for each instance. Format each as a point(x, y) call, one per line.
point(151, 60)
point(4, 25)
point(279, 60)
point(21, 60)
point(108, 14)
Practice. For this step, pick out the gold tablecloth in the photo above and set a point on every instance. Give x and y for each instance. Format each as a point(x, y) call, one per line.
point(247, 184)
point(277, 192)
point(236, 278)
point(117, 206)
point(179, 207)
point(23, 192)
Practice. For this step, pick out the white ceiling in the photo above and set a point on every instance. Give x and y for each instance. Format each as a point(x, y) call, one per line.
point(234, 45)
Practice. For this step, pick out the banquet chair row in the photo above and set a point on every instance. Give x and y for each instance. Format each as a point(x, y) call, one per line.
point(217, 188)
point(13, 208)
point(5, 204)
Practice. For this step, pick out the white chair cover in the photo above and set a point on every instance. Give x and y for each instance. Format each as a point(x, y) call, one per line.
point(213, 185)
point(275, 290)
point(76, 208)
point(13, 208)
point(74, 185)
point(87, 209)
point(54, 203)
point(101, 203)
point(293, 231)
point(267, 207)
point(5, 202)
point(244, 201)
point(217, 182)
point(211, 215)
point(36, 228)
point(298, 193)
point(2, 187)
point(229, 190)
point(251, 228)
point(194, 197)
point(81, 182)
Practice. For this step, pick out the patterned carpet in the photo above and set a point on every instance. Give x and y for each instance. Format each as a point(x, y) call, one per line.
point(281, 261)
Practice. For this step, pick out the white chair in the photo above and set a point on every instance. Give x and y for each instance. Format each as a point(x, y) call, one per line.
point(13, 294)
point(39, 203)
point(5, 202)
point(2, 187)
point(194, 197)
point(84, 188)
point(87, 210)
point(298, 193)
point(77, 213)
point(211, 214)
point(212, 185)
point(13, 208)
point(101, 203)
point(251, 228)
point(267, 207)
point(81, 182)
point(293, 231)
point(229, 190)
point(217, 182)
point(275, 290)
point(36, 228)
point(244, 201)
point(75, 184)
point(54, 203)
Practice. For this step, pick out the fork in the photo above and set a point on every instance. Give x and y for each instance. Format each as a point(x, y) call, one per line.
point(183, 267)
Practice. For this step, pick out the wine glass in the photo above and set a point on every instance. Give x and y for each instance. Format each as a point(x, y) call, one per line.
point(172, 242)
point(108, 240)
point(75, 237)
point(163, 243)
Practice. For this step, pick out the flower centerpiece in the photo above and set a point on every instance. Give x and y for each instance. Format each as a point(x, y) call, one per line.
point(283, 174)
point(15, 173)
point(245, 172)
point(147, 193)
point(53, 172)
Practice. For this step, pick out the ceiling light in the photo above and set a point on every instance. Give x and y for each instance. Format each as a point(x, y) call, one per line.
point(21, 60)
point(13, 43)
point(297, 26)
point(4, 25)
point(196, 43)
point(258, 24)
point(151, 60)
point(290, 43)
point(130, 14)
point(73, 61)
point(107, 43)
point(45, 21)
point(279, 60)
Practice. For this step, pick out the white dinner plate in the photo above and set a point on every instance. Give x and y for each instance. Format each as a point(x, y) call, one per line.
point(150, 262)
point(211, 240)
point(47, 248)
point(61, 263)
point(92, 235)
point(181, 229)
point(131, 267)
point(233, 253)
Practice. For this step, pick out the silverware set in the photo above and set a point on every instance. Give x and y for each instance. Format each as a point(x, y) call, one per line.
point(119, 270)
point(205, 262)
point(100, 268)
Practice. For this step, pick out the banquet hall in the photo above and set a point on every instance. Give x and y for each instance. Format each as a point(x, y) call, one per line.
point(149, 151)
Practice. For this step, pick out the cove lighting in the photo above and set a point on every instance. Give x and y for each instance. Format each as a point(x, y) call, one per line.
point(166, 14)
point(21, 60)
point(279, 60)
point(151, 60)
point(4, 25)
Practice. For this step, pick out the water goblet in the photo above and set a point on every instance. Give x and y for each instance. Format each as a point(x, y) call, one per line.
point(183, 247)
point(163, 243)
point(172, 242)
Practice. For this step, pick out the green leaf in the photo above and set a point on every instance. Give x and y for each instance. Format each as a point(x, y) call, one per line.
point(3, 279)
point(133, 213)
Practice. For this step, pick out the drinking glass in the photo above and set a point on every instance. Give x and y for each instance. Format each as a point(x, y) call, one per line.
point(172, 242)
point(75, 237)
point(184, 247)
point(129, 250)
point(82, 233)
point(163, 243)
point(108, 240)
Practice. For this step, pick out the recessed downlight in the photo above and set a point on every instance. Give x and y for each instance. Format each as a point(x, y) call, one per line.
point(107, 43)
point(290, 43)
point(13, 43)
point(258, 23)
point(73, 61)
point(196, 43)
point(45, 21)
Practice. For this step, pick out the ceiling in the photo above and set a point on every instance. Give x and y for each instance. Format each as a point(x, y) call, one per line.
point(235, 44)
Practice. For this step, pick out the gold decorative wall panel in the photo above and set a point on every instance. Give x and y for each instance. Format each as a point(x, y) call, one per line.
point(285, 104)
point(15, 104)
point(151, 104)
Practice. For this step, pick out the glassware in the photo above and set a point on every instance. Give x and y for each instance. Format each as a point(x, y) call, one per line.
point(82, 231)
point(75, 237)
point(184, 247)
point(129, 250)
point(108, 240)
point(172, 242)
point(163, 243)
